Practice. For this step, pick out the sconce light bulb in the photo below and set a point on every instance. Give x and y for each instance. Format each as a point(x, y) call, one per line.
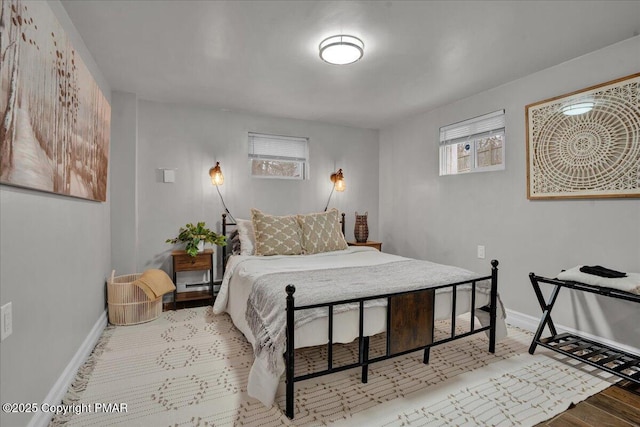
point(338, 181)
point(217, 178)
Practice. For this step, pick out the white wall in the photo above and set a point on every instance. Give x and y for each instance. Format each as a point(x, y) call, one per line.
point(444, 218)
point(124, 125)
point(191, 139)
point(55, 260)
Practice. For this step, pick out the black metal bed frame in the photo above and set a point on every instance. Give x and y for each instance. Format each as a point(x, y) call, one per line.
point(607, 358)
point(224, 248)
point(363, 341)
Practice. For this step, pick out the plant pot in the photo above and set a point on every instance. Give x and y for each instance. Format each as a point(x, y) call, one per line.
point(201, 246)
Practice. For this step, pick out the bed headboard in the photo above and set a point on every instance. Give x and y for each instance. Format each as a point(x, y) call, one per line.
point(226, 224)
point(224, 233)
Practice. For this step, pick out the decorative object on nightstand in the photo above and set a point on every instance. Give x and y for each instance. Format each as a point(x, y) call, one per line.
point(361, 230)
point(369, 243)
point(195, 236)
point(338, 185)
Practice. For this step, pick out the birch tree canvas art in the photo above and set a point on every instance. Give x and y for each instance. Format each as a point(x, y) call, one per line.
point(55, 121)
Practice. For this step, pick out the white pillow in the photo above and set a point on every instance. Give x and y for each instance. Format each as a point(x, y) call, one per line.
point(247, 237)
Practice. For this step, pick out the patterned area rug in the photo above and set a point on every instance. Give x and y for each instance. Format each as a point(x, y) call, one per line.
point(189, 368)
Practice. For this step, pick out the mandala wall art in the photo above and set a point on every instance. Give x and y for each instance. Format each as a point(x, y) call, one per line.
point(585, 144)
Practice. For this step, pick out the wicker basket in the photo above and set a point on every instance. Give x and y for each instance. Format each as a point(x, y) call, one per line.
point(128, 304)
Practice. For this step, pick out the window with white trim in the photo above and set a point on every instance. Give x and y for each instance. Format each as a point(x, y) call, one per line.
point(474, 145)
point(276, 156)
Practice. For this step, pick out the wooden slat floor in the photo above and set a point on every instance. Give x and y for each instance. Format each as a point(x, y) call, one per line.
point(617, 406)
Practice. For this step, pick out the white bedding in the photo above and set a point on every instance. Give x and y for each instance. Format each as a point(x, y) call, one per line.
point(242, 271)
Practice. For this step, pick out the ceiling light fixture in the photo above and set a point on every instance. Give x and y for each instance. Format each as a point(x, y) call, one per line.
point(341, 50)
point(577, 108)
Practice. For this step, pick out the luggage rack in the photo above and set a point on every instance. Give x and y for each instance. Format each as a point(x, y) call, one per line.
point(610, 359)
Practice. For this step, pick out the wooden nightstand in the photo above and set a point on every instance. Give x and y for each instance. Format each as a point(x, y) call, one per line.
point(185, 262)
point(371, 244)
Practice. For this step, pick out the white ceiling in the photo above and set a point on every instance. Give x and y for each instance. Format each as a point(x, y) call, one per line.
point(262, 56)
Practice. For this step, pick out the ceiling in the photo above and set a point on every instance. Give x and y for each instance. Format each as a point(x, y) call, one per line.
point(262, 56)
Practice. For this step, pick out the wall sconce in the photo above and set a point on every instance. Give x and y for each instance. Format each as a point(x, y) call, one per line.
point(217, 179)
point(338, 181)
point(338, 185)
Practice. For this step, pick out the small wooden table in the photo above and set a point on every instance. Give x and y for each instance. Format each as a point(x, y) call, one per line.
point(371, 244)
point(185, 262)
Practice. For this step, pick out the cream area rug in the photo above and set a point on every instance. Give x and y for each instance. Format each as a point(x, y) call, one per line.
point(190, 367)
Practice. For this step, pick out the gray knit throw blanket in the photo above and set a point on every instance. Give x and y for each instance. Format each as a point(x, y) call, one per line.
point(266, 307)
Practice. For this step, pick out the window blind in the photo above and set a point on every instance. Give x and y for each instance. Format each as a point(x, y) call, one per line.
point(276, 147)
point(477, 127)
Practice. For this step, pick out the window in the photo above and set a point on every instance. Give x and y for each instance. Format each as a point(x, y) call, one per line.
point(275, 156)
point(474, 145)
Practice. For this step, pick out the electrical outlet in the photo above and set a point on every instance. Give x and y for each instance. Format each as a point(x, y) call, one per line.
point(6, 318)
point(480, 251)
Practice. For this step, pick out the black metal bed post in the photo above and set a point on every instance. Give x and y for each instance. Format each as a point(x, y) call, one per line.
point(224, 248)
point(363, 346)
point(290, 349)
point(425, 357)
point(494, 307)
point(343, 223)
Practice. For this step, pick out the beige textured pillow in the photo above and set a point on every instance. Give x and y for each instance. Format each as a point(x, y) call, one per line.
point(321, 232)
point(276, 235)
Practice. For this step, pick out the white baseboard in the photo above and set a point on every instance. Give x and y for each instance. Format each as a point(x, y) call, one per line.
point(530, 323)
point(59, 389)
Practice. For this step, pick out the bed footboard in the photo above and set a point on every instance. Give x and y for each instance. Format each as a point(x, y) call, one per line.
point(410, 327)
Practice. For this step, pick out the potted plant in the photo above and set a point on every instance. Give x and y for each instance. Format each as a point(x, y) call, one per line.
point(195, 236)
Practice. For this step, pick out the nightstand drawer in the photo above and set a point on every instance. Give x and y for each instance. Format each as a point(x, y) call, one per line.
point(187, 263)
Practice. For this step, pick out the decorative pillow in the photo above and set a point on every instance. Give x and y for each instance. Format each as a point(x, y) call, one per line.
point(276, 235)
point(247, 237)
point(321, 232)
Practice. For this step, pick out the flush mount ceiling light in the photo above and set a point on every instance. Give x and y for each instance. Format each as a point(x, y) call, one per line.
point(341, 50)
point(577, 108)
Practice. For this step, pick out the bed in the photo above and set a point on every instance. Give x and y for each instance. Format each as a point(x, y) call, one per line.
point(284, 302)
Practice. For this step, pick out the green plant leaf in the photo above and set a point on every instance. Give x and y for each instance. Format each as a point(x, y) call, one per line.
point(192, 235)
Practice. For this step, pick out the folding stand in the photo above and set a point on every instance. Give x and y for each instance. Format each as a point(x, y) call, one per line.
point(607, 358)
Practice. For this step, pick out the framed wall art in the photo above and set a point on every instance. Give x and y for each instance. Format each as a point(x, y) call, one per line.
point(54, 120)
point(585, 144)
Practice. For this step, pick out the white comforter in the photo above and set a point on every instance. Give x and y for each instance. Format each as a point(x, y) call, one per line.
point(242, 271)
